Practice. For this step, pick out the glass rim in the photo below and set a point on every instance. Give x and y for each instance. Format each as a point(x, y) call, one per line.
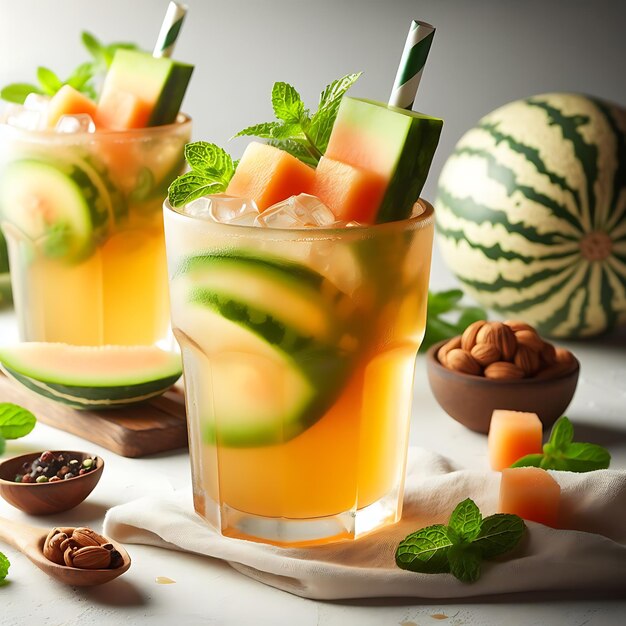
point(182, 120)
point(415, 222)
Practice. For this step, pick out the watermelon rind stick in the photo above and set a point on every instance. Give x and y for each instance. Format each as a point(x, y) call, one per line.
point(170, 29)
point(412, 64)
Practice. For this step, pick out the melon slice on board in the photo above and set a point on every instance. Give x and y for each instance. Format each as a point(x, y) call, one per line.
point(159, 84)
point(86, 377)
point(396, 144)
point(268, 175)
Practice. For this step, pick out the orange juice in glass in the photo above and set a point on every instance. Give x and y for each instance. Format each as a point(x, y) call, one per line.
point(81, 213)
point(298, 350)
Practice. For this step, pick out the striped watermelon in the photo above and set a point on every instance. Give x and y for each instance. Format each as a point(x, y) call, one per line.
point(531, 213)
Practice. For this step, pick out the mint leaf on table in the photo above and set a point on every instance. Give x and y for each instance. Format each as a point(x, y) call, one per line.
point(447, 316)
point(465, 562)
point(498, 534)
point(295, 130)
point(561, 452)
point(4, 566)
point(15, 421)
point(460, 547)
point(49, 81)
point(466, 520)
point(211, 171)
point(425, 550)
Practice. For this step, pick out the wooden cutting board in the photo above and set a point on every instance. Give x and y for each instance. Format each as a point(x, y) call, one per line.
point(153, 426)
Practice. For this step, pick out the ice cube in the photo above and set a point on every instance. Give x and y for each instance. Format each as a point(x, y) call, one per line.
point(36, 102)
point(26, 119)
point(229, 209)
point(81, 123)
point(302, 211)
point(224, 209)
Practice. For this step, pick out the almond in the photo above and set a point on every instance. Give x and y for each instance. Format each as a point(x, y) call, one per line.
point(485, 353)
point(564, 356)
point(487, 333)
point(450, 345)
point(548, 353)
point(516, 325)
point(86, 537)
point(527, 360)
point(461, 361)
point(468, 339)
point(52, 546)
point(503, 370)
point(530, 339)
point(91, 557)
point(505, 340)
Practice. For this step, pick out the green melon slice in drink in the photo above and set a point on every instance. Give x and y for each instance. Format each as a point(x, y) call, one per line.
point(393, 143)
point(152, 88)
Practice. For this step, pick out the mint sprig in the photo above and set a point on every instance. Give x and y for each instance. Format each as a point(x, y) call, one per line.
point(460, 547)
point(82, 78)
point(447, 316)
point(15, 422)
point(295, 130)
point(561, 452)
point(211, 171)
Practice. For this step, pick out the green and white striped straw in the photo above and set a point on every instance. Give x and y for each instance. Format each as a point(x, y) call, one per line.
point(169, 30)
point(412, 63)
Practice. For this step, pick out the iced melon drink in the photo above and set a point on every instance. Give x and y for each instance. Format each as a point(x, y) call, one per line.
point(298, 348)
point(81, 216)
point(82, 183)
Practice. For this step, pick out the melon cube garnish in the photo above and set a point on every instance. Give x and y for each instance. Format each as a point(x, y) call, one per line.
point(531, 493)
point(512, 435)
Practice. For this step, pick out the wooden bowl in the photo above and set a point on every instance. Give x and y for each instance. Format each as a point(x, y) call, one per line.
point(471, 400)
point(47, 498)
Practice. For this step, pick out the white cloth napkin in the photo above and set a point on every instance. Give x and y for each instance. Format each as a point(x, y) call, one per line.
point(591, 555)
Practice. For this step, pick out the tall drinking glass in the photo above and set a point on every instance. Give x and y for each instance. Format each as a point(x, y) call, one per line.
point(81, 214)
point(298, 351)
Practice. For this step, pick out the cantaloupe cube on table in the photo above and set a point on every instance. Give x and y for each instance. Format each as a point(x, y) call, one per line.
point(350, 192)
point(68, 101)
point(531, 493)
point(121, 110)
point(512, 435)
point(268, 175)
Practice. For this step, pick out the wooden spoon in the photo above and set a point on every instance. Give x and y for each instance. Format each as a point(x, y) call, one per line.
point(29, 540)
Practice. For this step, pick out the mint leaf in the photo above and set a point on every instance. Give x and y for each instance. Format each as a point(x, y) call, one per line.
point(17, 92)
point(193, 185)
point(443, 308)
point(210, 159)
point(562, 434)
point(93, 45)
point(49, 81)
point(287, 103)
point(530, 460)
point(425, 550)
point(466, 520)
point(264, 130)
point(586, 457)
point(323, 120)
point(296, 149)
point(15, 421)
point(498, 534)
point(4, 566)
point(465, 562)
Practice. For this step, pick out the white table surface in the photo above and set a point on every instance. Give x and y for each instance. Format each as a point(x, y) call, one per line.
point(209, 592)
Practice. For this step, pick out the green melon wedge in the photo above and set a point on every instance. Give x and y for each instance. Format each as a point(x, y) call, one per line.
point(86, 377)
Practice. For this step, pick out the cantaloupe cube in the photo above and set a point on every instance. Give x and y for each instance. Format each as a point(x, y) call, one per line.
point(350, 192)
point(512, 435)
point(68, 101)
point(531, 493)
point(268, 175)
point(121, 110)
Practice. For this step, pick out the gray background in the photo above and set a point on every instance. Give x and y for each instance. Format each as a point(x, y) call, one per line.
point(485, 52)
